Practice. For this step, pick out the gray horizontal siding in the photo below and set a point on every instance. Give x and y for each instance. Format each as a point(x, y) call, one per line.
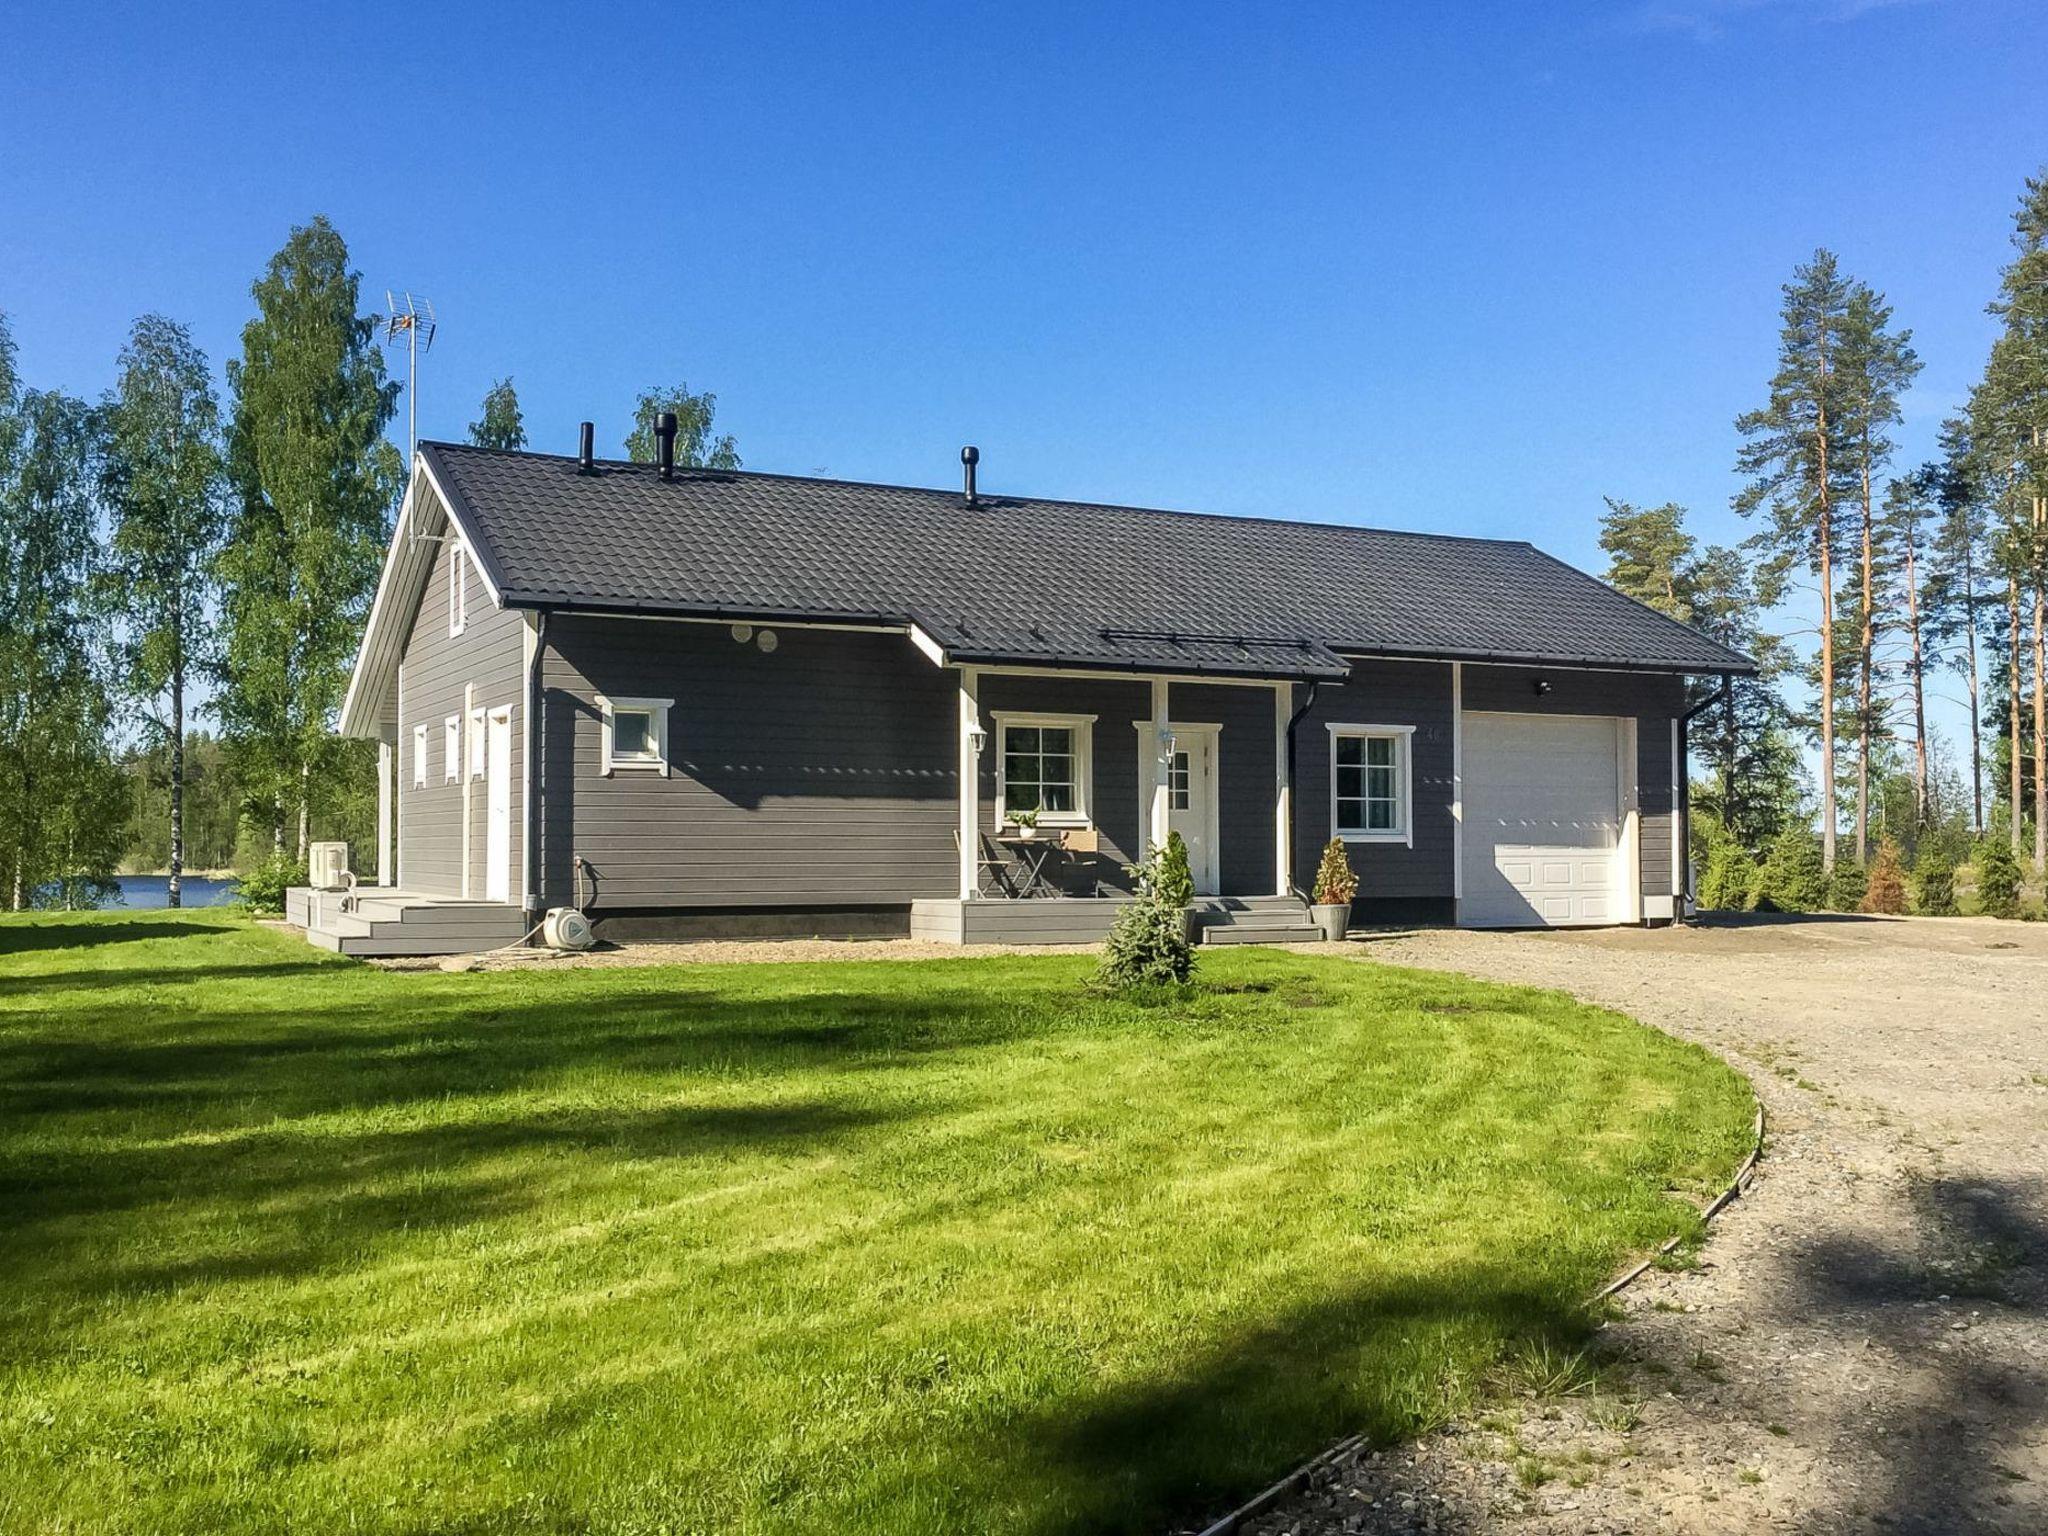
point(1246, 780)
point(822, 773)
point(1382, 693)
point(1651, 699)
point(438, 669)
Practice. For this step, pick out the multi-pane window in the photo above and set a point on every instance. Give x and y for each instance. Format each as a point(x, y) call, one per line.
point(1045, 767)
point(1177, 779)
point(1369, 792)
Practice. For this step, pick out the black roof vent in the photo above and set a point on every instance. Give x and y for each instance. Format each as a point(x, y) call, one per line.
point(970, 456)
point(586, 447)
point(665, 444)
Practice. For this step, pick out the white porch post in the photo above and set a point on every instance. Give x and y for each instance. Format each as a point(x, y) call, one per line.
point(1457, 784)
point(386, 767)
point(1283, 797)
point(1162, 798)
point(970, 784)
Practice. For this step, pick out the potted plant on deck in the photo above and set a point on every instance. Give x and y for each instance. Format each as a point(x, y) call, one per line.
point(1023, 825)
point(1336, 884)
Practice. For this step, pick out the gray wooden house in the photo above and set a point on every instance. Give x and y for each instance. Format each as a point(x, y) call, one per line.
point(696, 702)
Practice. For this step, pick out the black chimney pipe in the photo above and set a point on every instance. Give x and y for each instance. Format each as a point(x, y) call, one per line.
point(665, 443)
point(586, 447)
point(971, 456)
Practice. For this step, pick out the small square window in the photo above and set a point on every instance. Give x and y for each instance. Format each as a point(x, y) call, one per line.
point(1045, 767)
point(451, 748)
point(635, 734)
point(419, 757)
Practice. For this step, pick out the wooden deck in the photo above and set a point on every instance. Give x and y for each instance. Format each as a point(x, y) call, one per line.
point(381, 920)
point(1086, 920)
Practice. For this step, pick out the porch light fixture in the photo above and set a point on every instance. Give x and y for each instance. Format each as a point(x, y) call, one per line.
point(977, 738)
point(1541, 685)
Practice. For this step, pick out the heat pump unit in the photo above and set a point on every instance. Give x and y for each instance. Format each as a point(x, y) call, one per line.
point(327, 867)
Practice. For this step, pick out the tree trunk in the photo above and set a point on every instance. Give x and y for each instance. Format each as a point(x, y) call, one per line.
point(1824, 528)
point(177, 891)
point(2015, 665)
point(1920, 809)
point(305, 810)
point(1867, 643)
point(2040, 732)
point(1976, 704)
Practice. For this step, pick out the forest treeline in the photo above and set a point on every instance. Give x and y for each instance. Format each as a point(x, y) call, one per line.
point(1914, 579)
point(185, 570)
point(184, 576)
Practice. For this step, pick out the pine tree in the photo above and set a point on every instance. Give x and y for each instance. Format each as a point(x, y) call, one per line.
point(1798, 458)
point(1654, 560)
point(1934, 883)
point(1956, 598)
point(1876, 367)
point(501, 425)
point(1793, 878)
point(1908, 506)
point(2010, 410)
point(161, 481)
point(314, 483)
point(696, 447)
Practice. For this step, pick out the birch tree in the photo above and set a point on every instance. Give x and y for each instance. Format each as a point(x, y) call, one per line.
point(160, 478)
point(313, 486)
point(501, 425)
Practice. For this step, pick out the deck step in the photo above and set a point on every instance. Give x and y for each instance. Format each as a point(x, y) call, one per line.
point(1239, 933)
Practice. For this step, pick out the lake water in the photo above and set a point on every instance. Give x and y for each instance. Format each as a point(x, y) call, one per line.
point(155, 891)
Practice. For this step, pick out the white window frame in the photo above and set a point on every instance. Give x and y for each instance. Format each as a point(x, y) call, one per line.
point(1403, 737)
point(476, 743)
point(1083, 727)
point(458, 588)
point(419, 757)
point(451, 749)
point(658, 761)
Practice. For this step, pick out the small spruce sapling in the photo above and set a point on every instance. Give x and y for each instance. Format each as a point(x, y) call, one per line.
point(1148, 943)
point(1998, 878)
point(1934, 884)
point(1885, 891)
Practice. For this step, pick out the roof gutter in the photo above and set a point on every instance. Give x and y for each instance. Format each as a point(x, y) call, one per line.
point(1555, 663)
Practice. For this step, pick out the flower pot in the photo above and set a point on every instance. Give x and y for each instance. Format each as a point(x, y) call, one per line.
point(1333, 917)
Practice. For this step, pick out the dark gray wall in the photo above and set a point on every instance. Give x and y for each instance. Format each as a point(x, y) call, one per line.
point(1245, 779)
point(1419, 694)
point(1652, 699)
point(1114, 790)
point(489, 653)
point(1381, 693)
point(822, 774)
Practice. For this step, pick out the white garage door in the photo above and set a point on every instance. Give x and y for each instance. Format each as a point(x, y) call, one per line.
point(1542, 821)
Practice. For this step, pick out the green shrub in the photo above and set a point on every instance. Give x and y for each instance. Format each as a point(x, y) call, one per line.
point(1729, 882)
point(1792, 879)
point(1846, 886)
point(1336, 880)
point(1885, 891)
point(1934, 885)
point(1998, 878)
point(1148, 943)
point(264, 886)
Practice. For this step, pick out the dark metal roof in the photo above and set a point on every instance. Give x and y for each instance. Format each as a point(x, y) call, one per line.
point(1012, 579)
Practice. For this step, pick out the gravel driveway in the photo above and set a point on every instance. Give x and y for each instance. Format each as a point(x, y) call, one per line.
point(1865, 1344)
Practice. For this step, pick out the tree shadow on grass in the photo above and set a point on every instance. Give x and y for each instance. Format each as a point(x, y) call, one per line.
point(88, 932)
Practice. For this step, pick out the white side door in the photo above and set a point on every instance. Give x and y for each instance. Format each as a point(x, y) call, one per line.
point(498, 818)
point(1191, 800)
point(1543, 821)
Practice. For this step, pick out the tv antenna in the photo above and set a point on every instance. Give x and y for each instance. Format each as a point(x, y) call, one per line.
point(412, 317)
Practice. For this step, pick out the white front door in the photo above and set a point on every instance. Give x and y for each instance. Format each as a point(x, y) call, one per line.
point(1191, 800)
point(498, 821)
point(1543, 821)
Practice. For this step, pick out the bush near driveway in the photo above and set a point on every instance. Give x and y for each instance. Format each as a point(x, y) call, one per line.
point(296, 1244)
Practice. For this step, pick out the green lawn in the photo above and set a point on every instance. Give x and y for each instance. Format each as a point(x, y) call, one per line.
point(291, 1244)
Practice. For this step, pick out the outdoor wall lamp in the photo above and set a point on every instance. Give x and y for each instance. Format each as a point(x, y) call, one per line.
point(1542, 686)
point(977, 738)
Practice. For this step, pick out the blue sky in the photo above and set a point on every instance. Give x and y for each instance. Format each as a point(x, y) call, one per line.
point(1464, 267)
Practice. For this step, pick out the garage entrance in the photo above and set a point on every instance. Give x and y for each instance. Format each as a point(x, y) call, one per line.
point(1543, 821)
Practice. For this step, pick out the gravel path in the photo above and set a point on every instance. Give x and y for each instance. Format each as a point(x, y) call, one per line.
point(1864, 1346)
